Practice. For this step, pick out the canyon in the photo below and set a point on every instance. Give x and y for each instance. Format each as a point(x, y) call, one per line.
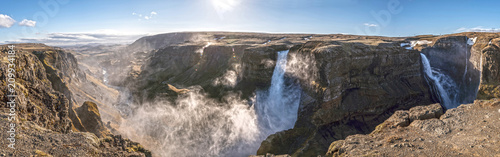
point(242, 94)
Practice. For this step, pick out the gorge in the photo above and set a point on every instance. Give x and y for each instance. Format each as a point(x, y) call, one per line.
point(242, 94)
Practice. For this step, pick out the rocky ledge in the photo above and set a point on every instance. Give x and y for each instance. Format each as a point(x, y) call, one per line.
point(469, 130)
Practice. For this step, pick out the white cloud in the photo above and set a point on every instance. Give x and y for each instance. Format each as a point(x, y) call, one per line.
point(478, 29)
point(6, 21)
point(28, 23)
point(147, 17)
point(64, 39)
point(370, 24)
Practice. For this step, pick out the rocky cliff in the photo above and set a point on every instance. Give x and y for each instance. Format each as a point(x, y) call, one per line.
point(48, 118)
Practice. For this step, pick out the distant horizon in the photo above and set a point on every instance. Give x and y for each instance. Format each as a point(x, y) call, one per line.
point(71, 22)
point(146, 35)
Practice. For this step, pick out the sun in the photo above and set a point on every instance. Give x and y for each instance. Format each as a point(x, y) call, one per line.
point(224, 6)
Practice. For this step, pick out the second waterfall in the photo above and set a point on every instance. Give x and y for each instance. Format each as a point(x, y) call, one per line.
point(277, 107)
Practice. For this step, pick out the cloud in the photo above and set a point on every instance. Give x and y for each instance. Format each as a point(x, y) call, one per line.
point(6, 21)
point(99, 37)
point(370, 24)
point(147, 17)
point(478, 29)
point(28, 23)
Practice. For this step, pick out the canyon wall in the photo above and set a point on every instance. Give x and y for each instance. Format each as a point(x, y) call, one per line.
point(349, 83)
point(48, 117)
point(348, 88)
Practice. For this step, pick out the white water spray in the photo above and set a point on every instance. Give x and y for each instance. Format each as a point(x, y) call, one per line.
point(441, 85)
point(197, 125)
point(277, 107)
point(201, 51)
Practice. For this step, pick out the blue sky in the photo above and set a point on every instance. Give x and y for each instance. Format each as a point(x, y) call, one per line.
point(75, 21)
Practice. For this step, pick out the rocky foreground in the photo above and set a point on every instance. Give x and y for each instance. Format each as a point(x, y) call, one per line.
point(54, 112)
point(469, 130)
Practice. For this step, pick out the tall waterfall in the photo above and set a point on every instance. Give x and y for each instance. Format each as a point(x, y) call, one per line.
point(445, 81)
point(277, 107)
point(441, 85)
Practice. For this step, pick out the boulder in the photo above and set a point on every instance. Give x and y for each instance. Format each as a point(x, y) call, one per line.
point(90, 118)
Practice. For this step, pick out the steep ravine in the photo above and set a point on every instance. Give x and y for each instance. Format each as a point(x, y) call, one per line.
point(469, 130)
point(349, 85)
point(196, 95)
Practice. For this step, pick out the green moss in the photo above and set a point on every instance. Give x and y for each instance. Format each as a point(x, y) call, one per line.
point(334, 148)
point(139, 148)
point(379, 128)
point(488, 91)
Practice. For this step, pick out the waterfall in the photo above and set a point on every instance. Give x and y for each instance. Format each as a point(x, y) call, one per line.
point(466, 60)
point(441, 85)
point(277, 107)
point(445, 84)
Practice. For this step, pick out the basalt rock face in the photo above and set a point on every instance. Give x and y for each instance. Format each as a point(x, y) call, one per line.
point(257, 65)
point(213, 68)
point(47, 81)
point(36, 99)
point(490, 76)
point(456, 57)
point(63, 72)
point(348, 88)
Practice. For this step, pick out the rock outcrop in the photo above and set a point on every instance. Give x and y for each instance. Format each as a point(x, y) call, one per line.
point(37, 101)
point(90, 117)
point(469, 130)
point(490, 76)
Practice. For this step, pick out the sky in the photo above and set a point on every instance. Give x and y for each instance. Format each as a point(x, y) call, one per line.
point(66, 22)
